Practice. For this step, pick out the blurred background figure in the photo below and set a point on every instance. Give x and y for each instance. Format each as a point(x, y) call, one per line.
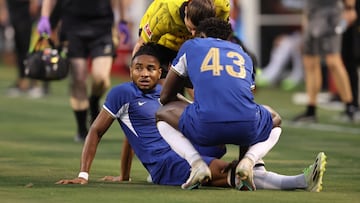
point(286, 49)
point(326, 20)
point(351, 56)
point(87, 27)
point(21, 16)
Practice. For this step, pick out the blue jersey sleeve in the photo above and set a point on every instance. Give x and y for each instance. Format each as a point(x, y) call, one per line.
point(117, 99)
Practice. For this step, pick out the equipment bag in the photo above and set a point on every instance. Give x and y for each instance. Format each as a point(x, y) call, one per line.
point(46, 62)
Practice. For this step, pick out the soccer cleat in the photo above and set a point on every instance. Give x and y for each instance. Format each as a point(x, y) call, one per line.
point(245, 175)
point(200, 173)
point(314, 173)
point(288, 85)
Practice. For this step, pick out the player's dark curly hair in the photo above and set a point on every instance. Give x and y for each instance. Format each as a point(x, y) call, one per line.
point(149, 48)
point(214, 27)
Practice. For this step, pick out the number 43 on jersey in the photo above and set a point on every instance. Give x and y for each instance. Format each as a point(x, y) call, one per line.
point(213, 56)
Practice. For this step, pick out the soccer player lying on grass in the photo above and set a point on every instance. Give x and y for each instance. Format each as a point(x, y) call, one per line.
point(134, 105)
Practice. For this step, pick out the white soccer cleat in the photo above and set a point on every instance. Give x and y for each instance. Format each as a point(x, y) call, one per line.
point(314, 173)
point(245, 174)
point(200, 173)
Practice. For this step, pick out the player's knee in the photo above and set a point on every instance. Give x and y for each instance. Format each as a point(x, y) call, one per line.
point(276, 119)
point(274, 115)
point(160, 114)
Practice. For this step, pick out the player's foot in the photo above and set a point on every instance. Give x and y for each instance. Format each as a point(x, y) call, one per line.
point(200, 173)
point(314, 173)
point(288, 85)
point(14, 91)
point(305, 118)
point(36, 92)
point(244, 172)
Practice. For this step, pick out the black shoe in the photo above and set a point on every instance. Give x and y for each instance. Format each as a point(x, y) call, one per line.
point(350, 112)
point(305, 118)
point(345, 117)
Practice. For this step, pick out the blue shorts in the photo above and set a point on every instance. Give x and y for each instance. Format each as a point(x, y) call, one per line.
point(171, 169)
point(242, 133)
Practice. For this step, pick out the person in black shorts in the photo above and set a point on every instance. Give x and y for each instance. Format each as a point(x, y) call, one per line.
point(21, 14)
point(322, 40)
point(87, 28)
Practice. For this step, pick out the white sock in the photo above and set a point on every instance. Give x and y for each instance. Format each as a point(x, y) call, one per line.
point(178, 142)
point(259, 150)
point(269, 180)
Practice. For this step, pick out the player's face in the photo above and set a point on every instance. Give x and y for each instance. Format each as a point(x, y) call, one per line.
point(145, 72)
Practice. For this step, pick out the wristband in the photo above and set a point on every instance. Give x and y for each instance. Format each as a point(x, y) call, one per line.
point(84, 175)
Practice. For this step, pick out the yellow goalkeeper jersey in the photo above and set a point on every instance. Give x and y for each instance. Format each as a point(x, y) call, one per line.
point(162, 22)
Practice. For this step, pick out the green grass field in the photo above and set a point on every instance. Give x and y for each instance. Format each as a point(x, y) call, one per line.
point(37, 149)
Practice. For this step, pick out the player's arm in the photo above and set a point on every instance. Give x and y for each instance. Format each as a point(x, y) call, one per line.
point(173, 84)
point(349, 13)
point(47, 7)
point(97, 130)
point(34, 8)
point(122, 24)
point(150, 27)
point(125, 164)
point(4, 15)
point(137, 45)
point(126, 160)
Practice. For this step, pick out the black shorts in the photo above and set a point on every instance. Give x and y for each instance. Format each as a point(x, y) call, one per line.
point(90, 45)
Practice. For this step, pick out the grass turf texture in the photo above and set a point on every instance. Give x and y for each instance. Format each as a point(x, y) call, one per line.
point(37, 149)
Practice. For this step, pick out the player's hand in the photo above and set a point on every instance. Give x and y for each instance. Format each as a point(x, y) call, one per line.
point(114, 179)
point(43, 26)
point(81, 181)
point(124, 30)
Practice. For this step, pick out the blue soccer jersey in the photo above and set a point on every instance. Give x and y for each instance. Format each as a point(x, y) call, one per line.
point(221, 73)
point(135, 112)
point(224, 110)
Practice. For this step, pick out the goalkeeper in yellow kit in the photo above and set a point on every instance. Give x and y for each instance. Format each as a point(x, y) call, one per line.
point(169, 23)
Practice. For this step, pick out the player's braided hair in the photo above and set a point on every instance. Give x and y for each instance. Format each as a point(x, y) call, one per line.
point(214, 27)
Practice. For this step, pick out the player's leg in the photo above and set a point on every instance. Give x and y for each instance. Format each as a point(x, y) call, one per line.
point(279, 56)
point(220, 177)
point(78, 99)
point(78, 76)
point(313, 76)
point(102, 51)
point(342, 82)
point(269, 129)
point(297, 73)
point(310, 180)
point(167, 124)
point(101, 67)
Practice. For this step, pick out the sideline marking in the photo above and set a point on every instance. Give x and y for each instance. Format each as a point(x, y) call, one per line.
point(322, 127)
